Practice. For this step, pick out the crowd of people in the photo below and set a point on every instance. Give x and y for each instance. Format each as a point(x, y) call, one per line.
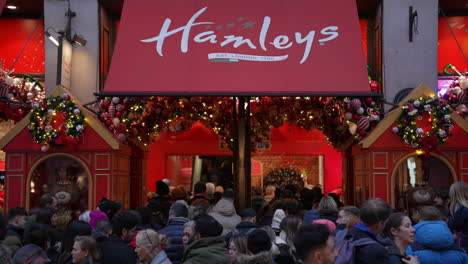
point(283, 226)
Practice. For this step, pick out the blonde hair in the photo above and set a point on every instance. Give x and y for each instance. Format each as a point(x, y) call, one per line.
point(458, 196)
point(149, 237)
point(327, 202)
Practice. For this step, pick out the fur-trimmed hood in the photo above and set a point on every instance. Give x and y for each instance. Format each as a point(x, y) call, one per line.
point(264, 257)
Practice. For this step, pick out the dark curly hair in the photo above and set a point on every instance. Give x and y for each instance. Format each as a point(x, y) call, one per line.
point(124, 219)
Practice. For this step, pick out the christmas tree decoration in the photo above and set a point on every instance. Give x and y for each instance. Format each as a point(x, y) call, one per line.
point(434, 111)
point(284, 177)
point(56, 122)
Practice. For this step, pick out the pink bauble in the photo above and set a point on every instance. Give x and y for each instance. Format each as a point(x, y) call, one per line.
point(105, 115)
point(363, 123)
point(356, 103)
point(121, 137)
point(111, 110)
point(462, 96)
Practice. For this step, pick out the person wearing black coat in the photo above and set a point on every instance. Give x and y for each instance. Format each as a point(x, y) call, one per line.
point(178, 216)
point(114, 250)
point(249, 219)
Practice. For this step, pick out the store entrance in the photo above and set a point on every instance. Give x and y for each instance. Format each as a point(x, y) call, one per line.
point(280, 170)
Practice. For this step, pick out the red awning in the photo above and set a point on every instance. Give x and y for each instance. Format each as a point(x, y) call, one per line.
point(2, 165)
point(261, 47)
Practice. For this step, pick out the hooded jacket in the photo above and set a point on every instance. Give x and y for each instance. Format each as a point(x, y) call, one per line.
point(174, 232)
point(436, 244)
point(13, 238)
point(263, 257)
point(225, 213)
point(209, 250)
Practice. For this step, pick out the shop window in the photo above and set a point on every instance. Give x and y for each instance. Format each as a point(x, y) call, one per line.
point(67, 179)
point(418, 178)
point(186, 170)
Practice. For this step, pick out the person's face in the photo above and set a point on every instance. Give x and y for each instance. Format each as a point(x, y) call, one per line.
point(78, 255)
point(438, 201)
point(405, 231)
point(329, 251)
point(54, 203)
point(187, 235)
point(20, 221)
point(141, 251)
point(326, 255)
point(343, 218)
point(232, 251)
point(128, 234)
point(54, 219)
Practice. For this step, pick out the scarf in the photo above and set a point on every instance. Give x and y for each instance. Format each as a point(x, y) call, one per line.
point(151, 255)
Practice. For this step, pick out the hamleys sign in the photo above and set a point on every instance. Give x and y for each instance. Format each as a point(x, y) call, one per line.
point(216, 47)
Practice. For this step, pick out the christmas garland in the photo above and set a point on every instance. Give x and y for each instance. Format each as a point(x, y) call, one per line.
point(437, 113)
point(141, 120)
point(17, 95)
point(56, 121)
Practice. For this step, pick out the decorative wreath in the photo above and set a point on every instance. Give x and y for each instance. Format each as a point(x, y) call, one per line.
point(438, 113)
point(56, 121)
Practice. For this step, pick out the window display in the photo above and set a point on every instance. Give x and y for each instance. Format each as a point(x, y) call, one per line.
point(66, 178)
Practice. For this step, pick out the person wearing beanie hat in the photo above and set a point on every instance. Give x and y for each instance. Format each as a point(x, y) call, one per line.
point(162, 188)
point(311, 216)
point(95, 216)
point(259, 244)
point(160, 204)
point(110, 208)
point(329, 224)
point(206, 246)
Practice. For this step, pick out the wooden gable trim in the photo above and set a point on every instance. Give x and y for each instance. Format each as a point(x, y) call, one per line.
point(90, 119)
point(391, 117)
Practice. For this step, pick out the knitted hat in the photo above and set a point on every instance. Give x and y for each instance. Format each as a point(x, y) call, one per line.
point(95, 216)
point(277, 218)
point(162, 188)
point(329, 224)
point(311, 215)
point(258, 241)
point(247, 212)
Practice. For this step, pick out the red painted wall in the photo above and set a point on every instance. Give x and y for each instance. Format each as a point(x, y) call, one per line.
point(447, 48)
point(14, 34)
point(286, 140)
point(363, 26)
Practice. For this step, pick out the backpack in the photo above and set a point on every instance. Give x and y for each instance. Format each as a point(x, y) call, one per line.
point(347, 248)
